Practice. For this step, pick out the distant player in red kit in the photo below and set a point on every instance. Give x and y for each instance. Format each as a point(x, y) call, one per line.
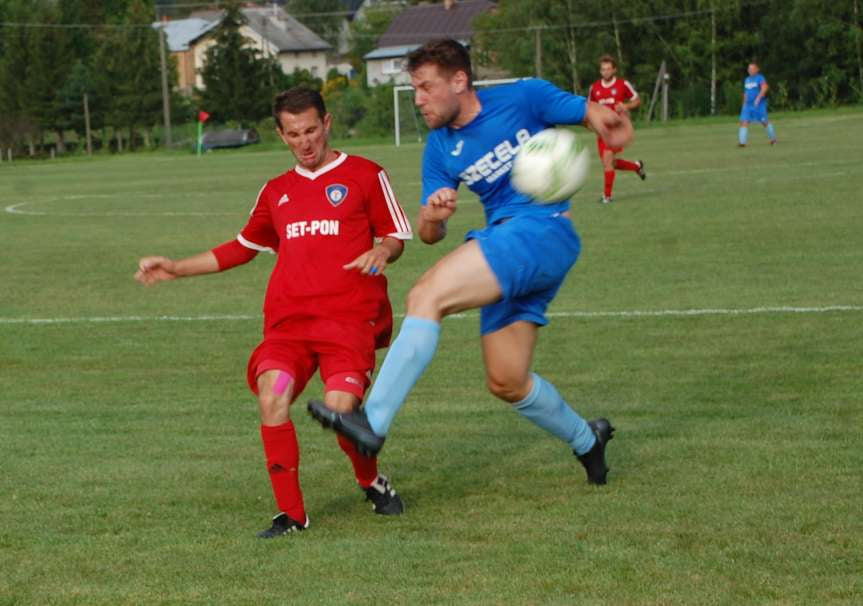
point(621, 96)
point(335, 224)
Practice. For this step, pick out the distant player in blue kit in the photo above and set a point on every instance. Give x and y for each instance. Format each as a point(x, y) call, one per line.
point(511, 269)
point(754, 105)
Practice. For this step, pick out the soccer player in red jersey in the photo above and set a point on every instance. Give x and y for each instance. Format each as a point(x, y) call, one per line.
point(335, 224)
point(620, 95)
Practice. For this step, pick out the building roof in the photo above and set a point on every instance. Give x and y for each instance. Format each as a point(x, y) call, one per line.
point(419, 24)
point(388, 52)
point(179, 33)
point(281, 30)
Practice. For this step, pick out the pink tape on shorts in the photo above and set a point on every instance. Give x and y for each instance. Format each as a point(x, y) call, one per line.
point(283, 381)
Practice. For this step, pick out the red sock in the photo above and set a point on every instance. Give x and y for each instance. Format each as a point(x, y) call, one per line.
point(609, 182)
point(283, 462)
point(365, 468)
point(626, 165)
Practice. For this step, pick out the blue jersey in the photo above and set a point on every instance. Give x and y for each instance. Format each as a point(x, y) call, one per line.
point(481, 153)
point(752, 86)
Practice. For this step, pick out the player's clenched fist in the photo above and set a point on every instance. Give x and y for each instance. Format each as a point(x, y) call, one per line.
point(440, 205)
point(615, 129)
point(155, 269)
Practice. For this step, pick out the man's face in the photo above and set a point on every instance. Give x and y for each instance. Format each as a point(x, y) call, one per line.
point(607, 71)
point(752, 69)
point(437, 95)
point(306, 134)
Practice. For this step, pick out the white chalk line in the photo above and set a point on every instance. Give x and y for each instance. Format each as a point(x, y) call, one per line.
point(646, 313)
point(16, 209)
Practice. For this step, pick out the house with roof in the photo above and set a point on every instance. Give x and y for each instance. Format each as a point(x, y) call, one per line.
point(415, 26)
point(179, 39)
point(268, 29)
point(276, 34)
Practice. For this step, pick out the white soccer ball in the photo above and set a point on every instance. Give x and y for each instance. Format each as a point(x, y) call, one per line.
point(551, 166)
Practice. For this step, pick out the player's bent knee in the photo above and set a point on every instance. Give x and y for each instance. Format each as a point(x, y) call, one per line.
point(508, 390)
point(274, 409)
point(423, 299)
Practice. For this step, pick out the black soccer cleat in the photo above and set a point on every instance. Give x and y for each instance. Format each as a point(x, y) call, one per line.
point(385, 500)
point(283, 524)
point(641, 172)
point(593, 460)
point(353, 425)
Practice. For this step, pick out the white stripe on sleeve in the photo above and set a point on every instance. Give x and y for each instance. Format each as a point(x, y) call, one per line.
point(631, 89)
point(253, 246)
point(257, 199)
point(396, 213)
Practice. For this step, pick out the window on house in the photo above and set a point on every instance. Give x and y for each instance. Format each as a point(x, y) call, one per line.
point(393, 66)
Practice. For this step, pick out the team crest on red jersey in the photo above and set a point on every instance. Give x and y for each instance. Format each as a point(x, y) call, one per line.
point(336, 193)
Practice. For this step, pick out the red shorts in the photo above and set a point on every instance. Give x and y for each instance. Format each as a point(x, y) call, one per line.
point(601, 146)
point(344, 352)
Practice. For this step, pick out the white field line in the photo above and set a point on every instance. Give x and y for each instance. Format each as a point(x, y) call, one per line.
point(554, 314)
point(16, 209)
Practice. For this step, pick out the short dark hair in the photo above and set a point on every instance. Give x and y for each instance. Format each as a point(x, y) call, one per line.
point(608, 59)
point(297, 100)
point(449, 55)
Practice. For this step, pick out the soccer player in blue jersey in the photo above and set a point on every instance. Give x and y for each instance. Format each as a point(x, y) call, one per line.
point(511, 269)
point(754, 105)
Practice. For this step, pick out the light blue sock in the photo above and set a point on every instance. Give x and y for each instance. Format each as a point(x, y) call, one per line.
point(406, 360)
point(771, 133)
point(546, 408)
point(741, 135)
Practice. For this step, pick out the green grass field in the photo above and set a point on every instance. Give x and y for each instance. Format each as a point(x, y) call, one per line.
point(132, 471)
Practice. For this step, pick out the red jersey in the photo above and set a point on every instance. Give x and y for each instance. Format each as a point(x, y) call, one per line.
point(318, 222)
point(613, 93)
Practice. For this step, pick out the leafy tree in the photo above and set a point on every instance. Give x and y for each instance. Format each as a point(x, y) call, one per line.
point(238, 81)
point(364, 33)
point(49, 59)
point(127, 74)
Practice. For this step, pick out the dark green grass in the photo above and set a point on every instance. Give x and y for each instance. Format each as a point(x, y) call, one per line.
point(132, 470)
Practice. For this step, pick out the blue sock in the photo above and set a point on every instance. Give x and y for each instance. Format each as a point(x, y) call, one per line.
point(546, 408)
point(771, 133)
point(406, 360)
point(741, 135)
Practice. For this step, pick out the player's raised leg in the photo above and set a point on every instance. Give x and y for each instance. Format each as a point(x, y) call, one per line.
point(376, 486)
point(459, 281)
point(637, 167)
point(508, 354)
point(275, 389)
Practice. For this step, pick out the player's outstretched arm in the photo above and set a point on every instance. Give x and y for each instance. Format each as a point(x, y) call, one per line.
point(160, 269)
point(375, 261)
point(615, 129)
point(439, 207)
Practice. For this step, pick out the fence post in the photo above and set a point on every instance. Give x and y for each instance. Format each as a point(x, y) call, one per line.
point(89, 135)
point(665, 79)
point(166, 94)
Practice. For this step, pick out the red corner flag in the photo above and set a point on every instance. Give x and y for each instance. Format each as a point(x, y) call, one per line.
point(203, 116)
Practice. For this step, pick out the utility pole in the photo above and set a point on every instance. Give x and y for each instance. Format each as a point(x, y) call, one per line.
point(538, 51)
point(665, 79)
point(166, 94)
point(856, 27)
point(712, 59)
point(87, 126)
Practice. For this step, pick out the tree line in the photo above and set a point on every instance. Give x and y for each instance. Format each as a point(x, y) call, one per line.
point(54, 53)
point(809, 50)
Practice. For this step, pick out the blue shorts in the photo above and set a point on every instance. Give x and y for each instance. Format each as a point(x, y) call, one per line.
point(530, 256)
point(752, 113)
